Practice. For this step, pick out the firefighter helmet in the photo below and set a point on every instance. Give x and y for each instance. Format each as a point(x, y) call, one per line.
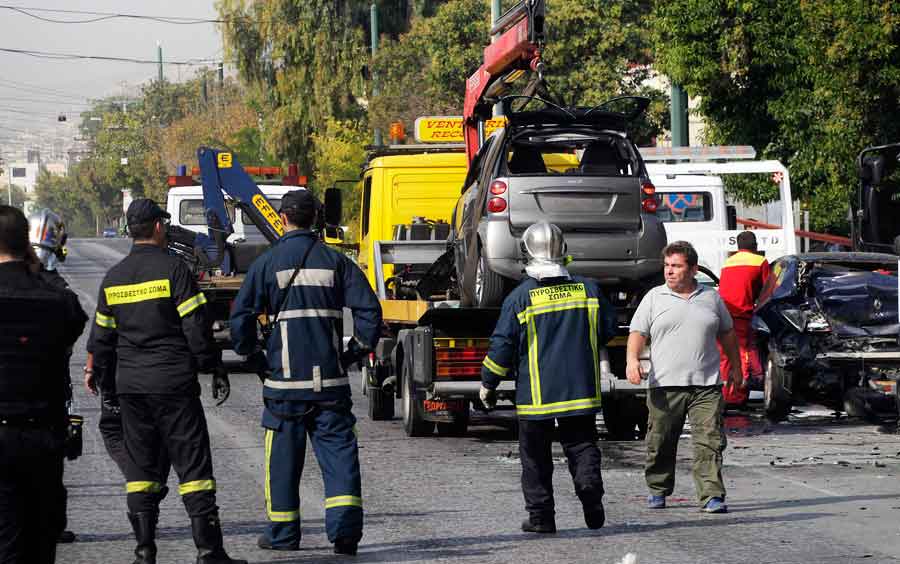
point(545, 241)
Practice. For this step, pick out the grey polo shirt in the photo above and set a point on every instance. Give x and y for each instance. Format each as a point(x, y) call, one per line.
point(682, 333)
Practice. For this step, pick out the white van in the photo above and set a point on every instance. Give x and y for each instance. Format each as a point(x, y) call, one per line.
point(185, 204)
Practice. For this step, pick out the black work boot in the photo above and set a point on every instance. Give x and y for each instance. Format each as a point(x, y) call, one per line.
point(539, 524)
point(144, 525)
point(594, 517)
point(346, 547)
point(208, 537)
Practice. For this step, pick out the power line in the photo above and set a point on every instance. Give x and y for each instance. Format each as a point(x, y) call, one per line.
point(73, 56)
point(103, 16)
point(40, 89)
point(40, 101)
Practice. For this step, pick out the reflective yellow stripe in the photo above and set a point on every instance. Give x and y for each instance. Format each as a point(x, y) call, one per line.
point(143, 487)
point(556, 294)
point(132, 293)
point(284, 516)
point(562, 305)
point(197, 486)
point(592, 325)
point(107, 321)
point(558, 407)
point(494, 367)
point(343, 501)
point(191, 304)
point(533, 372)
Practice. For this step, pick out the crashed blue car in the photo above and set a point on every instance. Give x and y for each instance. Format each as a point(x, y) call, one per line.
point(827, 328)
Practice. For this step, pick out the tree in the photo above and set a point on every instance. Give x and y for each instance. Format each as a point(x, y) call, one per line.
point(339, 155)
point(18, 195)
point(596, 50)
point(302, 62)
point(808, 83)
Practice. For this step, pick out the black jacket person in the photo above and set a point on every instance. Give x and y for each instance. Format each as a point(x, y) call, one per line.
point(151, 315)
point(40, 323)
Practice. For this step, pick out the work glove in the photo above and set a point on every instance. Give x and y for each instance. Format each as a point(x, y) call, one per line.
point(259, 364)
point(488, 397)
point(111, 404)
point(356, 350)
point(220, 384)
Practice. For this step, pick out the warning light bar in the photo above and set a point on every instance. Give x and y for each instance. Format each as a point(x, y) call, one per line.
point(702, 153)
point(292, 178)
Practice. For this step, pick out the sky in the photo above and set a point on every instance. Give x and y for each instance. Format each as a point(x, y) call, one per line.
point(34, 91)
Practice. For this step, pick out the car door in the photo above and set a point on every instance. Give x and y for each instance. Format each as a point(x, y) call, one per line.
point(466, 213)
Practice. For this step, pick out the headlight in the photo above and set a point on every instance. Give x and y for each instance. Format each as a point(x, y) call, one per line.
point(796, 317)
point(816, 322)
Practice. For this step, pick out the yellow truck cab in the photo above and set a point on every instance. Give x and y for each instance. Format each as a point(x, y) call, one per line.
point(403, 182)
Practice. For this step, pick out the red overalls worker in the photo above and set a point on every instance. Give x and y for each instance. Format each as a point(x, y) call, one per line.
point(743, 276)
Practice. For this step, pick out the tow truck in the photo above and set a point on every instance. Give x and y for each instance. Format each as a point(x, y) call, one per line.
point(431, 353)
point(217, 259)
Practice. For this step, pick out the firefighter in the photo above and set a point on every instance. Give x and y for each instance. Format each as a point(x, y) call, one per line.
point(39, 325)
point(152, 317)
point(47, 233)
point(550, 336)
point(742, 278)
point(303, 286)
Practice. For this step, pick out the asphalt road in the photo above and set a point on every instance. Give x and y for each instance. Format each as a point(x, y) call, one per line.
point(816, 489)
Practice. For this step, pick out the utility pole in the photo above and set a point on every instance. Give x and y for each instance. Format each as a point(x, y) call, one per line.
point(679, 114)
point(373, 30)
point(159, 59)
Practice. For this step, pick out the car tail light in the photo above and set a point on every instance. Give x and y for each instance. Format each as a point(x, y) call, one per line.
point(498, 187)
point(496, 205)
point(648, 188)
point(649, 205)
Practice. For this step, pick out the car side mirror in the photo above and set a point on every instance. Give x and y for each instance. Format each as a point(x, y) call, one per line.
point(731, 218)
point(333, 207)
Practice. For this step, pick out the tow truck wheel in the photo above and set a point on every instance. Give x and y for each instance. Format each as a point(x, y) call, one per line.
point(381, 402)
point(778, 385)
point(458, 427)
point(414, 422)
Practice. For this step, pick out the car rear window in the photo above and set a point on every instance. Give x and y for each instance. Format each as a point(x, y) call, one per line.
point(190, 212)
point(684, 207)
point(572, 155)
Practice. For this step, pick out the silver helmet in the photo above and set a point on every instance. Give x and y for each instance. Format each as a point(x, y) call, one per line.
point(47, 233)
point(545, 241)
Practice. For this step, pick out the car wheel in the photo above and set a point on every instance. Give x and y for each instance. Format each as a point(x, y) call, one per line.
point(777, 392)
point(489, 286)
point(414, 422)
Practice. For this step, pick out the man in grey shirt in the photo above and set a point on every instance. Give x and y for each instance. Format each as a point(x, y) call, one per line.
point(682, 320)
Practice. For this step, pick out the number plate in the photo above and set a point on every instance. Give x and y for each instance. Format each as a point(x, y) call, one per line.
point(432, 406)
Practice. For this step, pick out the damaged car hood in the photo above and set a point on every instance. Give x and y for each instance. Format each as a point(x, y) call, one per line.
point(857, 303)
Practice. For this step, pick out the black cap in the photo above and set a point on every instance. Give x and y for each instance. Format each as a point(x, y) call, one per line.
point(302, 200)
point(144, 210)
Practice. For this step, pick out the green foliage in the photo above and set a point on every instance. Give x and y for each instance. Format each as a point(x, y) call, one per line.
point(302, 60)
point(810, 83)
point(596, 50)
point(339, 155)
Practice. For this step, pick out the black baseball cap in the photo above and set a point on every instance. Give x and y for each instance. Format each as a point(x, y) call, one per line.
point(302, 200)
point(144, 210)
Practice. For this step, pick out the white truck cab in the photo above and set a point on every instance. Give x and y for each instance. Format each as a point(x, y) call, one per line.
point(693, 206)
point(185, 204)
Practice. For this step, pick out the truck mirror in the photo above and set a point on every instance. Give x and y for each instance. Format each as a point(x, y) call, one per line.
point(872, 170)
point(333, 206)
point(731, 218)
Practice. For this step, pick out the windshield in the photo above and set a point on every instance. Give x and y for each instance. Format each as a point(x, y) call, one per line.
point(684, 207)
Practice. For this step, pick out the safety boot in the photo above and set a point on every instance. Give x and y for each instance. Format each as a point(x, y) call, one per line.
point(207, 531)
point(539, 524)
point(144, 525)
